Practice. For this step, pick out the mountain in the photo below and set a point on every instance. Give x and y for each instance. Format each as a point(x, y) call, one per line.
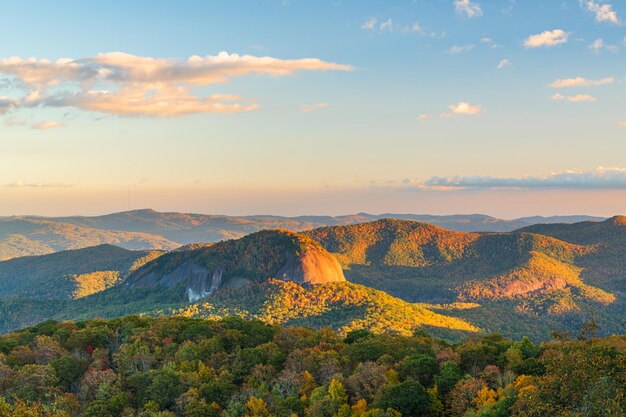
point(148, 229)
point(609, 232)
point(203, 269)
point(71, 273)
point(341, 305)
point(35, 288)
point(515, 277)
point(22, 236)
point(276, 275)
point(400, 274)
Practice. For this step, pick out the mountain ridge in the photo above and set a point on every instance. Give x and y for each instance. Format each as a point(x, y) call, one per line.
point(149, 229)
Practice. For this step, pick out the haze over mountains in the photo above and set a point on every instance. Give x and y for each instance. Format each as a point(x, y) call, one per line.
point(148, 229)
point(387, 275)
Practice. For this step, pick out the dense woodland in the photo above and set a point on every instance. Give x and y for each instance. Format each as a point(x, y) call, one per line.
point(149, 367)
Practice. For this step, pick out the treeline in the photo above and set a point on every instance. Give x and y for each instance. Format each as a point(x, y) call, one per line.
point(163, 367)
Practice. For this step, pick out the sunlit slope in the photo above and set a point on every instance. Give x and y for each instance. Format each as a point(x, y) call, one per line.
point(27, 237)
point(527, 273)
point(70, 274)
point(341, 305)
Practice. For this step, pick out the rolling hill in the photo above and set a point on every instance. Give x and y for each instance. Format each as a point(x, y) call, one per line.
point(401, 274)
point(275, 275)
point(518, 276)
point(148, 229)
point(31, 236)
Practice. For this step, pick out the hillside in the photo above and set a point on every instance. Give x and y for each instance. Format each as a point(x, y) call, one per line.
point(29, 236)
point(518, 274)
point(276, 276)
point(200, 271)
point(517, 283)
point(71, 273)
point(166, 367)
point(148, 229)
point(340, 305)
point(608, 232)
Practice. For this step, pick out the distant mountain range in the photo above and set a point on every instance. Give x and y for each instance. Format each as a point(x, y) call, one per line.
point(148, 229)
point(387, 275)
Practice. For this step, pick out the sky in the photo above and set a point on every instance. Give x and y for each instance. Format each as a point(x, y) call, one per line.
point(503, 107)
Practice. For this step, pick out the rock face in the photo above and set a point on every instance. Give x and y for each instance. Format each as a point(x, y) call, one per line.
point(312, 268)
point(278, 254)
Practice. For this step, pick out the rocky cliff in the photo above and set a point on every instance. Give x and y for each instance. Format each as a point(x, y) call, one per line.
point(202, 270)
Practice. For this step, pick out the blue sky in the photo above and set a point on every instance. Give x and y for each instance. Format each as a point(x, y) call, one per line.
point(416, 106)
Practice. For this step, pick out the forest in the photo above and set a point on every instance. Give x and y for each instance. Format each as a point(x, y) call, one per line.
point(191, 367)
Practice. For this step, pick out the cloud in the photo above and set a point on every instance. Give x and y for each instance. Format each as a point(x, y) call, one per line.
point(463, 108)
point(467, 8)
point(600, 178)
point(580, 98)
point(457, 49)
point(621, 123)
point(424, 117)
point(128, 85)
point(164, 102)
point(370, 24)
point(22, 184)
point(415, 28)
point(598, 45)
point(547, 39)
point(7, 104)
point(581, 82)
point(47, 125)
point(311, 107)
point(390, 26)
point(386, 25)
point(603, 12)
point(505, 63)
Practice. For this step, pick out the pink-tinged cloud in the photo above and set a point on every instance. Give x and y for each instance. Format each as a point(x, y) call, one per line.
point(547, 39)
point(579, 98)
point(48, 125)
point(603, 12)
point(464, 108)
point(7, 104)
point(581, 82)
point(128, 85)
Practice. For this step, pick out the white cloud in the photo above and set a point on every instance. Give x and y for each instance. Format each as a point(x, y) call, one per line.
point(600, 178)
point(581, 82)
point(47, 125)
point(467, 8)
point(23, 184)
point(505, 63)
point(305, 108)
point(415, 28)
point(621, 123)
point(424, 116)
point(386, 25)
point(603, 12)
point(370, 24)
point(598, 45)
point(580, 98)
point(458, 49)
point(7, 104)
point(464, 108)
point(129, 85)
point(549, 38)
